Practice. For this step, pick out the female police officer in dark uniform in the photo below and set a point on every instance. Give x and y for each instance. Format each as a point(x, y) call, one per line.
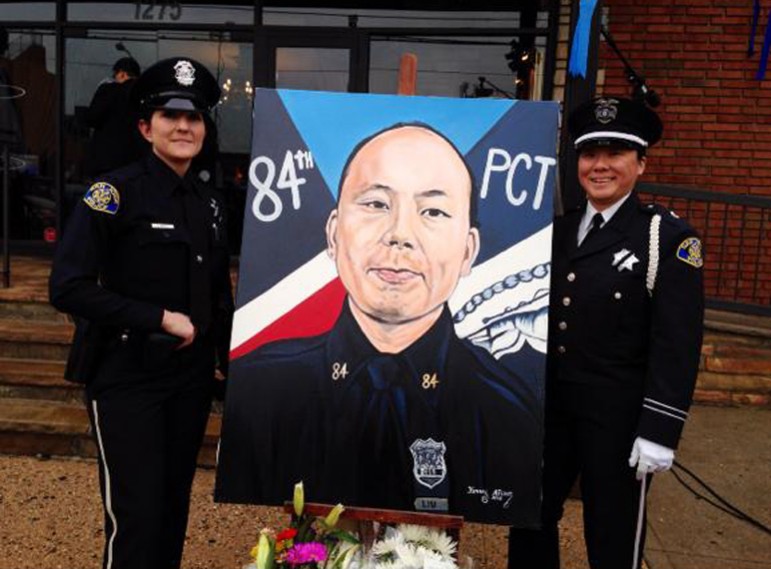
point(625, 332)
point(143, 266)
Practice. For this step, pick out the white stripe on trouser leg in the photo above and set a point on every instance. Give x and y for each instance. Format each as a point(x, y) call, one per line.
point(640, 521)
point(107, 486)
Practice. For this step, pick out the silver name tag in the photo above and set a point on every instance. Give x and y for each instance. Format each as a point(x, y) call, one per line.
point(431, 504)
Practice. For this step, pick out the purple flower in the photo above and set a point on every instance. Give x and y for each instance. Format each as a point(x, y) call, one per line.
point(302, 553)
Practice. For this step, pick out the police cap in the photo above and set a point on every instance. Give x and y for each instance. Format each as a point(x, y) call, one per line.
point(179, 83)
point(614, 121)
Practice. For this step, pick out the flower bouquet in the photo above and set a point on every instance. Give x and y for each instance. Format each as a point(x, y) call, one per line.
point(308, 542)
point(412, 547)
point(317, 543)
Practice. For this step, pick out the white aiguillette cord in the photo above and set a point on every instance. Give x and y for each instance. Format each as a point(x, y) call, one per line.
point(640, 521)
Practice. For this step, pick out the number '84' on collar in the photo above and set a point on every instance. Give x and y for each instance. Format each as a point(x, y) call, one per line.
point(689, 252)
point(103, 197)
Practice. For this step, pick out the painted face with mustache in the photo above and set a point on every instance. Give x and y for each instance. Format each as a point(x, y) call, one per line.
point(401, 235)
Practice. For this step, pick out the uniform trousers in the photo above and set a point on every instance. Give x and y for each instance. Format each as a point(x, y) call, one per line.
point(148, 413)
point(589, 432)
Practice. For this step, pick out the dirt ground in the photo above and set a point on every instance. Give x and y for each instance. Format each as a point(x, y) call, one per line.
point(51, 518)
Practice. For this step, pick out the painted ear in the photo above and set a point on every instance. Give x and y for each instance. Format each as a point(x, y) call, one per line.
point(472, 250)
point(331, 230)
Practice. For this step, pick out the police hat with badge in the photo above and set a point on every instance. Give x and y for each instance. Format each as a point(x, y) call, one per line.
point(615, 121)
point(178, 84)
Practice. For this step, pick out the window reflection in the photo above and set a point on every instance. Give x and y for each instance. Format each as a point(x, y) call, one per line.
point(28, 128)
point(316, 69)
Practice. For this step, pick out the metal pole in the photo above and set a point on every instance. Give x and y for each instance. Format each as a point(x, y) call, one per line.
point(6, 231)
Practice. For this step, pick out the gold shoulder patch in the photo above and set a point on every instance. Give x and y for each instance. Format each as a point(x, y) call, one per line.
point(103, 197)
point(689, 252)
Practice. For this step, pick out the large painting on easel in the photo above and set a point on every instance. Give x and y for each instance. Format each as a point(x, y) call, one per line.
point(390, 334)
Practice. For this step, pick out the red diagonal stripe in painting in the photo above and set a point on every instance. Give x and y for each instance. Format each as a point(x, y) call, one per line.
point(315, 315)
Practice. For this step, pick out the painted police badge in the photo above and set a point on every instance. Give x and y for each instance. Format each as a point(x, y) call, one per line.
point(428, 467)
point(606, 110)
point(689, 252)
point(103, 197)
point(184, 72)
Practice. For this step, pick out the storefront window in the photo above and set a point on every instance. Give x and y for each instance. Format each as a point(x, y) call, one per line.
point(28, 128)
point(315, 69)
point(447, 67)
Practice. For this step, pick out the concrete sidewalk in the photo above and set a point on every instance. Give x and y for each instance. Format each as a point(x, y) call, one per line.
point(730, 450)
point(51, 517)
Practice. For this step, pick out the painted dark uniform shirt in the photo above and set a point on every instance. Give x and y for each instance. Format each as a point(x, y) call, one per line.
point(149, 241)
point(340, 416)
point(606, 329)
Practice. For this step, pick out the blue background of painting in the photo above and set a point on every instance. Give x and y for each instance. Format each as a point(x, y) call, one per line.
point(331, 124)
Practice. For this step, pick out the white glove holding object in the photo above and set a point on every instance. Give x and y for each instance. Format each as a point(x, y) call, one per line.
point(650, 457)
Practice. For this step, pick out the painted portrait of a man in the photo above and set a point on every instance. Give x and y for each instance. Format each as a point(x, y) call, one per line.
point(389, 408)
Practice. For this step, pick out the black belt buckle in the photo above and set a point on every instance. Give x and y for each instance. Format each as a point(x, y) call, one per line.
point(159, 348)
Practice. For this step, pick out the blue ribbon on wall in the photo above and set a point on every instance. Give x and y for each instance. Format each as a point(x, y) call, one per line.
point(753, 28)
point(579, 51)
point(764, 53)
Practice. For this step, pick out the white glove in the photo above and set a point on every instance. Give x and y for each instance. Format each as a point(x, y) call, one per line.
point(650, 457)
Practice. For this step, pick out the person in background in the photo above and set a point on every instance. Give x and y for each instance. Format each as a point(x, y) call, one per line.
point(144, 266)
point(627, 307)
point(115, 141)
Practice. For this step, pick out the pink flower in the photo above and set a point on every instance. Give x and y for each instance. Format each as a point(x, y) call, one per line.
point(302, 553)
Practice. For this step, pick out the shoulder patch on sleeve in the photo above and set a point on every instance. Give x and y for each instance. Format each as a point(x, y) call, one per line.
point(104, 197)
point(689, 252)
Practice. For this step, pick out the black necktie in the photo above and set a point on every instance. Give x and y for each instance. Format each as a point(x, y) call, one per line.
point(384, 463)
point(200, 279)
point(597, 222)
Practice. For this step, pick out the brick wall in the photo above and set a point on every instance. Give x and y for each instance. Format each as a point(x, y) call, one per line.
point(717, 115)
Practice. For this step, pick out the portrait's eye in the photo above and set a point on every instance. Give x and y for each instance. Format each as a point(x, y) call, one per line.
point(375, 204)
point(435, 212)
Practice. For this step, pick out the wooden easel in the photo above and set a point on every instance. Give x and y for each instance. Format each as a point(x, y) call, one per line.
point(365, 517)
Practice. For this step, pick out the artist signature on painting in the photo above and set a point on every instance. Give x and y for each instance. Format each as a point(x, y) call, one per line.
point(504, 497)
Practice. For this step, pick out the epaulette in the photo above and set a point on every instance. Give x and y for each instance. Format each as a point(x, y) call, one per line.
point(668, 216)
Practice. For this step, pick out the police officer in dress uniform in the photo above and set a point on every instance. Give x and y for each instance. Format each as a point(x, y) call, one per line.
point(624, 342)
point(390, 409)
point(144, 268)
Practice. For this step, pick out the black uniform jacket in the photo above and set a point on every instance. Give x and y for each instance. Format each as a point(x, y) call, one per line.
point(300, 409)
point(118, 268)
point(607, 330)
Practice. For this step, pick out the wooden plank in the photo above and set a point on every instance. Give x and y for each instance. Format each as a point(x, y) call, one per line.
point(408, 74)
point(451, 524)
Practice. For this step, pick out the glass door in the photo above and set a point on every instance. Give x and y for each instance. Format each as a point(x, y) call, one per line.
point(311, 59)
